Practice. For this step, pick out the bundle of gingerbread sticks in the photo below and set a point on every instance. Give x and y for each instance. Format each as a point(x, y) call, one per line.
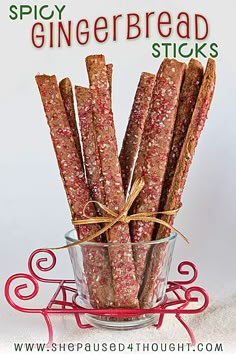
point(166, 120)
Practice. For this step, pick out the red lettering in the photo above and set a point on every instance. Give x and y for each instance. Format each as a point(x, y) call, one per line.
point(101, 27)
point(35, 37)
point(197, 27)
point(115, 18)
point(148, 14)
point(67, 36)
point(80, 33)
point(184, 24)
point(131, 26)
point(51, 35)
point(161, 23)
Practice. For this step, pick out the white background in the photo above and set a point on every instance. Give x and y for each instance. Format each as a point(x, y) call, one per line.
point(33, 208)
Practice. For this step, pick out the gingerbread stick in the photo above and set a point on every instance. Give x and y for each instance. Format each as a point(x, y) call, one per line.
point(187, 101)
point(122, 263)
point(90, 149)
point(96, 261)
point(154, 150)
point(135, 127)
point(67, 96)
point(109, 76)
point(173, 201)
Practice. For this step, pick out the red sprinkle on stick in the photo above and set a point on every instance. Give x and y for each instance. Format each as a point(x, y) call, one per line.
point(68, 100)
point(135, 127)
point(124, 282)
point(154, 150)
point(195, 128)
point(72, 174)
point(188, 97)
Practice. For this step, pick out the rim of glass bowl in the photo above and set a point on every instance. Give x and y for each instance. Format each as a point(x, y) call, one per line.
point(71, 240)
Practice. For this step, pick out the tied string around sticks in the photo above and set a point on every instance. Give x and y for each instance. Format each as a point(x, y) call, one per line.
point(121, 217)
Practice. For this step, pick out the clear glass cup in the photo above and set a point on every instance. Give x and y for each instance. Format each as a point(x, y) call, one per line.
point(93, 277)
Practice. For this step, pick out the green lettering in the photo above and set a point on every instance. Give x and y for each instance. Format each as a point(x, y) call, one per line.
point(198, 50)
point(166, 46)
point(156, 52)
point(43, 16)
point(174, 50)
point(25, 10)
point(35, 12)
point(214, 52)
point(60, 10)
point(12, 8)
point(184, 55)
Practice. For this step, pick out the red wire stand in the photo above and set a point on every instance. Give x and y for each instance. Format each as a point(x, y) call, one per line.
point(179, 298)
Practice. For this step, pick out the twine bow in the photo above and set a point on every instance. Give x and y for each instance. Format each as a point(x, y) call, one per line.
point(122, 216)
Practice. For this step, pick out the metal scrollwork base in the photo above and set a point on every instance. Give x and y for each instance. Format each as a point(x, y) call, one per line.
point(180, 295)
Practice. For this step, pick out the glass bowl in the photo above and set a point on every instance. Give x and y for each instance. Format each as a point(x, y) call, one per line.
point(94, 278)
